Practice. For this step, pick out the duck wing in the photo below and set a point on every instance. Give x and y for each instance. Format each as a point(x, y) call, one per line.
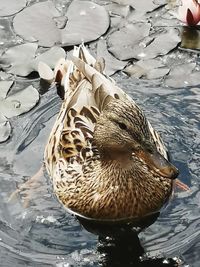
point(86, 92)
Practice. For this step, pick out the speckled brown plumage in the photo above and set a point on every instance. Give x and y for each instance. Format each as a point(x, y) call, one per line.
point(95, 153)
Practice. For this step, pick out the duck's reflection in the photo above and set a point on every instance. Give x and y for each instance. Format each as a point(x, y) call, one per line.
point(119, 245)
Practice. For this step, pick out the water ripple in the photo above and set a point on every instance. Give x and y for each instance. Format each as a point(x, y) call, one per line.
point(45, 235)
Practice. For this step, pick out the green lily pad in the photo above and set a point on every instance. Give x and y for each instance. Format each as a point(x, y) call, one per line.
point(118, 10)
point(133, 41)
point(18, 58)
point(13, 102)
point(148, 69)
point(5, 129)
point(141, 6)
point(122, 43)
point(21, 60)
point(162, 44)
point(35, 23)
point(183, 75)
point(10, 7)
point(85, 21)
point(4, 88)
point(112, 64)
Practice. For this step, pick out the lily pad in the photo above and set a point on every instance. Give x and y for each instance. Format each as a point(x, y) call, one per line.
point(50, 57)
point(183, 75)
point(4, 88)
point(85, 21)
point(4, 76)
point(140, 47)
point(10, 7)
point(35, 23)
point(16, 102)
point(118, 10)
point(122, 43)
point(160, 2)
point(141, 6)
point(21, 60)
point(5, 129)
point(162, 44)
point(12, 103)
point(148, 69)
point(18, 58)
point(45, 72)
point(112, 64)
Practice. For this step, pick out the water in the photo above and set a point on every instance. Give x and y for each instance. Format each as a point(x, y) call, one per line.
point(38, 232)
point(43, 234)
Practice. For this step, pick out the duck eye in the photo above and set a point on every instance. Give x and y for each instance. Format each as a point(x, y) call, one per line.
point(122, 125)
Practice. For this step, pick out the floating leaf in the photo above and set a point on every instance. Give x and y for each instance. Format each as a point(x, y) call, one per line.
point(22, 60)
point(4, 88)
point(122, 43)
point(50, 57)
point(13, 103)
point(18, 102)
point(86, 21)
point(141, 6)
point(35, 23)
point(139, 47)
point(19, 58)
point(10, 7)
point(160, 2)
point(118, 10)
point(183, 75)
point(5, 129)
point(4, 76)
point(58, 75)
point(111, 63)
point(148, 69)
point(45, 72)
point(162, 44)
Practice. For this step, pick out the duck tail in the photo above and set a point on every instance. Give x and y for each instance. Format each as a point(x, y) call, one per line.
point(76, 74)
point(66, 76)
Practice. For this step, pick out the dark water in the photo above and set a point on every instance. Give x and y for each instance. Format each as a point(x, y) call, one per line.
point(43, 234)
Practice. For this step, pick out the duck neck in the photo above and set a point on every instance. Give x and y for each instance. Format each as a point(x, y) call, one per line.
point(117, 160)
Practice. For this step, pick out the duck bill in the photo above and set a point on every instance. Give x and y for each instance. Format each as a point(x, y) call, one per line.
point(158, 164)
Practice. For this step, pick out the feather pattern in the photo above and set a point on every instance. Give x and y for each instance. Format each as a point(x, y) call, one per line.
point(73, 160)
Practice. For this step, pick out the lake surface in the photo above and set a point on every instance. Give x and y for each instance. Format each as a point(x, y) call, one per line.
point(43, 234)
point(35, 230)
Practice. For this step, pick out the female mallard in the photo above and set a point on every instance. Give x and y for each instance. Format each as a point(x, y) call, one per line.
point(106, 161)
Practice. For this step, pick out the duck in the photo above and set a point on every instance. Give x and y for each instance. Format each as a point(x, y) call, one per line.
point(105, 160)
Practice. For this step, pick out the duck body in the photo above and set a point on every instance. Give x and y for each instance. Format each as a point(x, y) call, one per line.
point(105, 160)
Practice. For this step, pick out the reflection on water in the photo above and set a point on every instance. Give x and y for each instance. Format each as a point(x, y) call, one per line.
point(190, 38)
point(127, 251)
point(119, 245)
point(45, 235)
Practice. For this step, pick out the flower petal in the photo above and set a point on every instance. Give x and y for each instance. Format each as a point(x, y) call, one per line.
point(181, 15)
point(189, 18)
point(189, 12)
point(193, 6)
point(196, 15)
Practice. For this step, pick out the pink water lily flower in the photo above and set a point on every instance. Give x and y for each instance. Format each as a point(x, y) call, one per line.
point(189, 12)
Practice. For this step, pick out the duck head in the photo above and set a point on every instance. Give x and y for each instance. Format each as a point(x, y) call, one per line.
point(122, 132)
